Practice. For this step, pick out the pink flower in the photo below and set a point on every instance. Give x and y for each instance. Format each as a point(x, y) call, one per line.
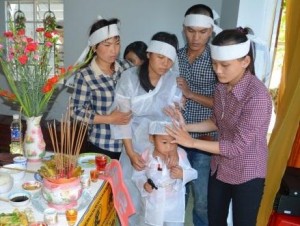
point(48, 44)
point(36, 57)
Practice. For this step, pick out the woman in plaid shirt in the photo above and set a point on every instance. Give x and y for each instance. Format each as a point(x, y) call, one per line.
point(94, 88)
point(241, 114)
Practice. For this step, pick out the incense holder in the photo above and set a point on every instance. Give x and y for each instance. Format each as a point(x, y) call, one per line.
point(62, 194)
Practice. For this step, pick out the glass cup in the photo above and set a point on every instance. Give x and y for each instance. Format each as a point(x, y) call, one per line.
point(85, 180)
point(50, 216)
point(100, 161)
point(94, 174)
point(71, 216)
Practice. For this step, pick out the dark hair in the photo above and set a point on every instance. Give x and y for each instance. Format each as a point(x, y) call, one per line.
point(200, 9)
point(96, 26)
point(235, 36)
point(139, 48)
point(144, 71)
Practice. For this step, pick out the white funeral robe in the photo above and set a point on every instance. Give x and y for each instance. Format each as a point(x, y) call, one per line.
point(167, 203)
point(145, 107)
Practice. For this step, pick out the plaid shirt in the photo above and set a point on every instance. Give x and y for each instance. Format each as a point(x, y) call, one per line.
point(242, 117)
point(95, 91)
point(202, 80)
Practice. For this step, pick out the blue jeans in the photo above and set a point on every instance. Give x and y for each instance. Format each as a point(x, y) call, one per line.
point(200, 161)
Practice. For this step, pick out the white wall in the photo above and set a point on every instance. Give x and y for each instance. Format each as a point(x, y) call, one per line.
point(258, 15)
point(140, 19)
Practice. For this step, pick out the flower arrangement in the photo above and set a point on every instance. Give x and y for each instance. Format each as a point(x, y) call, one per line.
point(25, 63)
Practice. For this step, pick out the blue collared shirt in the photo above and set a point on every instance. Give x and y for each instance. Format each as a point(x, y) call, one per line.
point(201, 79)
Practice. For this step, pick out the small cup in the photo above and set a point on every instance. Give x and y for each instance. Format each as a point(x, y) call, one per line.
point(100, 161)
point(20, 160)
point(50, 216)
point(85, 181)
point(38, 223)
point(94, 174)
point(71, 216)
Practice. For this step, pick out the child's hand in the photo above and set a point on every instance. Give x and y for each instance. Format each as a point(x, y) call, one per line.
point(176, 172)
point(173, 160)
point(148, 188)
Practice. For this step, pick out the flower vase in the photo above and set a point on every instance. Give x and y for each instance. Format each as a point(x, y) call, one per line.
point(34, 144)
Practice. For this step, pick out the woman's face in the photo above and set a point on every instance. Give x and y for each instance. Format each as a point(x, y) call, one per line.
point(230, 72)
point(133, 58)
point(159, 64)
point(109, 49)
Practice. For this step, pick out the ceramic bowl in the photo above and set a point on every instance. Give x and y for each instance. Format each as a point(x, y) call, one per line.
point(19, 198)
point(16, 174)
point(6, 182)
point(32, 187)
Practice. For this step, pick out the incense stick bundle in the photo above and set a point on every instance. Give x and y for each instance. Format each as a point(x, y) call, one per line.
point(67, 142)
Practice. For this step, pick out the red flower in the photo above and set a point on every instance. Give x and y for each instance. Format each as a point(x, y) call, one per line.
point(47, 88)
point(48, 34)
point(40, 29)
point(62, 70)
point(21, 32)
point(8, 34)
point(70, 68)
point(23, 59)
point(53, 80)
point(31, 47)
point(4, 93)
point(10, 96)
point(29, 39)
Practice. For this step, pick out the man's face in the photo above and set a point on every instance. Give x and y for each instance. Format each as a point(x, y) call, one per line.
point(197, 37)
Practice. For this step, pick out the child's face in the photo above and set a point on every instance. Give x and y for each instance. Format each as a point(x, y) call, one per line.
point(163, 145)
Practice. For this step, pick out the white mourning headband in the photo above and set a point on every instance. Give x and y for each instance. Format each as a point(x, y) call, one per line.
point(230, 52)
point(98, 36)
point(199, 20)
point(103, 34)
point(163, 49)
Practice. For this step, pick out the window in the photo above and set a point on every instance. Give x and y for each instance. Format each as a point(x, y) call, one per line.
point(35, 11)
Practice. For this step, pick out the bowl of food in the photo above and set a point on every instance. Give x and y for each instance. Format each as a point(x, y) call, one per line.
point(16, 170)
point(6, 182)
point(32, 187)
point(19, 198)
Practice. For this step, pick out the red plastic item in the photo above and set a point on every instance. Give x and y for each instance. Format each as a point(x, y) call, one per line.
point(278, 219)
